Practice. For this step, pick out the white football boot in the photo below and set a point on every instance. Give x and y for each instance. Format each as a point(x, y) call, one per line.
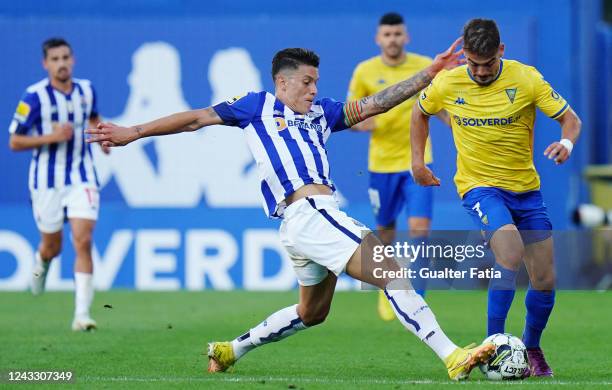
point(83, 324)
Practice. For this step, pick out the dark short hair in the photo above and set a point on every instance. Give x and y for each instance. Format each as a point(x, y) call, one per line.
point(391, 19)
point(53, 43)
point(292, 58)
point(481, 37)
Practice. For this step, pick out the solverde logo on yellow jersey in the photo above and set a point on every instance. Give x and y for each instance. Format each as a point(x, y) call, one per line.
point(476, 122)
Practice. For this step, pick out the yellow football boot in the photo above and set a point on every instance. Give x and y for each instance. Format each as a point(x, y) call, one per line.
point(463, 360)
point(220, 356)
point(385, 311)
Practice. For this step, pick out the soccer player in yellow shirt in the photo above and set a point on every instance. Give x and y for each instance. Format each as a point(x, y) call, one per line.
point(391, 186)
point(492, 104)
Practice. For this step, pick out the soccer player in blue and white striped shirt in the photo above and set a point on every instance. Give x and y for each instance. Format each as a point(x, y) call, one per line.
point(286, 132)
point(50, 120)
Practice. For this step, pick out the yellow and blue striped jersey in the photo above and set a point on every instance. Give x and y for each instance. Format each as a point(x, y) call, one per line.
point(493, 125)
point(390, 139)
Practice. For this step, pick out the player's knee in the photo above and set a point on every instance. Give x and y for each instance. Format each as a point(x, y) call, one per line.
point(543, 281)
point(49, 250)
point(512, 256)
point(82, 242)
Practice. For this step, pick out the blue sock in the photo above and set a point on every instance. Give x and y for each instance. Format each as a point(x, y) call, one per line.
point(419, 284)
point(539, 306)
point(501, 294)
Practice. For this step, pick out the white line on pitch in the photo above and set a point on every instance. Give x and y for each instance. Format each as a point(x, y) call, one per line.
point(363, 381)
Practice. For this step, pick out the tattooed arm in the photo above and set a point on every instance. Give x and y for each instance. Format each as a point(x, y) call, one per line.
point(108, 134)
point(357, 111)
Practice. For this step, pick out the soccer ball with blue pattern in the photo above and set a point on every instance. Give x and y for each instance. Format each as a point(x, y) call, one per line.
point(509, 360)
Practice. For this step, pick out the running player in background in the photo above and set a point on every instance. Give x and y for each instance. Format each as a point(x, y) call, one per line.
point(391, 185)
point(50, 119)
point(286, 133)
point(492, 105)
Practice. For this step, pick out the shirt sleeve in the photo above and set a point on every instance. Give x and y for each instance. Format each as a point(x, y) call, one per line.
point(357, 87)
point(26, 114)
point(431, 98)
point(334, 114)
point(546, 98)
point(238, 111)
point(94, 104)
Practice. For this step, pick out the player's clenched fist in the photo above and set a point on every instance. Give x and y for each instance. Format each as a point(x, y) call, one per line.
point(559, 151)
point(62, 132)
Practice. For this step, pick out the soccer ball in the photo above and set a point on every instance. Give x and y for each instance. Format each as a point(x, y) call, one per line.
point(509, 360)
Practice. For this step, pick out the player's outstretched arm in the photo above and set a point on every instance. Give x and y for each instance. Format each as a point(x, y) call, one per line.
point(108, 134)
point(570, 130)
point(419, 131)
point(358, 110)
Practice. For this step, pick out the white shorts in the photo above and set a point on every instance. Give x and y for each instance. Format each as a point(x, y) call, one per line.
point(319, 237)
point(52, 205)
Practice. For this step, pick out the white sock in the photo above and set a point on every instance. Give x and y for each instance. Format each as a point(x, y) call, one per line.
point(83, 294)
point(40, 264)
point(278, 326)
point(416, 316)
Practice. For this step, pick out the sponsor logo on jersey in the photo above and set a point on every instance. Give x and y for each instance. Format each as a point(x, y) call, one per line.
point(280, 123)
point(460, 100)
point(555, 95)
point(302, 125)
point(477, 122)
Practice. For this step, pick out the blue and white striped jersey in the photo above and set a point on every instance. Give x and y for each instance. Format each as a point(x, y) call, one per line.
point(289, 148)
point(60, 164)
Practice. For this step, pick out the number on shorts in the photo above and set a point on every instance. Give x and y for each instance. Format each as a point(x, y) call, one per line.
point(477, 208)
point(374, 199)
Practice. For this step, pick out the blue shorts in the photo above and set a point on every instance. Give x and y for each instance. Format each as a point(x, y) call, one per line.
point(492, 208)
point(390, 192)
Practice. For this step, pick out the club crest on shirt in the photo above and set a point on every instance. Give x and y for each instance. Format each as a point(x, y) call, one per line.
point(313, 114)
point(511, 93)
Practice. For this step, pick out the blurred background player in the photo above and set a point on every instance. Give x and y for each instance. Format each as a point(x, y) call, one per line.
point(492, 104)
point(391, 185)
point(50, 119)
point(286, 133)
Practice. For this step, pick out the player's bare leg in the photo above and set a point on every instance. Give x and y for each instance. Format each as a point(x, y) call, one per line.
point(50, 246)
point(387, 236)
point(82, 230)
point(412, 311)
point(539, 301)
point(507, 246)
point(312, 309)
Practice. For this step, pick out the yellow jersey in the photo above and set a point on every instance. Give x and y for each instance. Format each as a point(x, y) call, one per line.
point(493, 125)
point(390, 139)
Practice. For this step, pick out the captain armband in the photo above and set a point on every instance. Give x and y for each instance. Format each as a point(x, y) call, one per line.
point(352, 113)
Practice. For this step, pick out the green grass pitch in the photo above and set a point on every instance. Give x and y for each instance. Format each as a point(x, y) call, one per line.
point(157, 340)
